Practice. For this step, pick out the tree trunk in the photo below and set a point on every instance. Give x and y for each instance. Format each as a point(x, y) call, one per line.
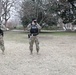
point(5, 23)
point(0, 11)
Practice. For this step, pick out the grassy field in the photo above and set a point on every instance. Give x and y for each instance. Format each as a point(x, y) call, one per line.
point(23, 36)
point(60, 33)
point(57, 55)
point(15, 36)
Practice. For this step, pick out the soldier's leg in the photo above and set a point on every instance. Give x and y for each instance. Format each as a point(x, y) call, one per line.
point(31, 42)
point(37, 44)
point(3, 49)
point(2, 45)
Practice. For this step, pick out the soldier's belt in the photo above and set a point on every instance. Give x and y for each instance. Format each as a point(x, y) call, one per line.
point(34, 34)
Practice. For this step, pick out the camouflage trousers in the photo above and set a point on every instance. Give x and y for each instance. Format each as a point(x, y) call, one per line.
point(34, 39)
point(2, 43)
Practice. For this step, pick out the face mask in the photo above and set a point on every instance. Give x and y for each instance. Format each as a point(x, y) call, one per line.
point(35, 21)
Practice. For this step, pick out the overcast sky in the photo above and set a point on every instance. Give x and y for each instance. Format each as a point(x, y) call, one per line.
point(14, 13)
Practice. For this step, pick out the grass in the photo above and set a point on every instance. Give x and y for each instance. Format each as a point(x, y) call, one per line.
point(65, 33)
point(60, 33)
point(22, 37)
point(15, 36)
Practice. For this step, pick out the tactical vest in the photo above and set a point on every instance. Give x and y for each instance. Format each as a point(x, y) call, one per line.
point(34, 29)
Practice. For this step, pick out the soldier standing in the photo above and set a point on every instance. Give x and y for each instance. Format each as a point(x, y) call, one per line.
point(1, 31)
point(33, 29)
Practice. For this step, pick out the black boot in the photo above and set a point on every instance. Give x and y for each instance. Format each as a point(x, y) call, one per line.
point(37, 51)
point(31, 51)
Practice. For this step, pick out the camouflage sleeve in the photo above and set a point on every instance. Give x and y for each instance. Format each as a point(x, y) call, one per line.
point(29, 27)
point(39, 27)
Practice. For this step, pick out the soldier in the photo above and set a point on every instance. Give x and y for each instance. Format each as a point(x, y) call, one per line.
point(33, 29)
point(1, 31)
point(2, 41)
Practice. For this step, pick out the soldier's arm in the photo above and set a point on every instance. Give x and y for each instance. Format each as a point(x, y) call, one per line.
point(39, 27)
point(29, 27)
point(1, 32)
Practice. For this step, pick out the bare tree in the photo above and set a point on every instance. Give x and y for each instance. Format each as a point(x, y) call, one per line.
point(36, 8)
point(6, 7)
point(0, 11)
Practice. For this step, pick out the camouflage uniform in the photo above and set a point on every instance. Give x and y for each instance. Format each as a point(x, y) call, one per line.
point(1, 31)
point(1, 41)
point(33, 39)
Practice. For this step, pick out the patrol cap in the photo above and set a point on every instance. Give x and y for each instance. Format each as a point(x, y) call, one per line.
point(34, 19)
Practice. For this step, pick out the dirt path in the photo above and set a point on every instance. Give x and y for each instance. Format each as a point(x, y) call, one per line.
point(57, 57)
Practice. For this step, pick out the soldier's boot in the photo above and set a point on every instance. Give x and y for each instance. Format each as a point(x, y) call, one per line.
point(3, 52)
point(37, 51)
point(31, 51)
point(3, 49)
